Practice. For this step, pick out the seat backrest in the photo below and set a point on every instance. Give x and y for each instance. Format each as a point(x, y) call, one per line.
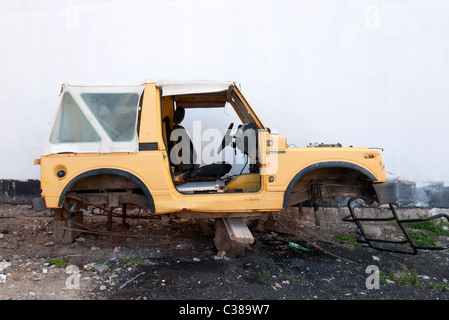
point(180, 133)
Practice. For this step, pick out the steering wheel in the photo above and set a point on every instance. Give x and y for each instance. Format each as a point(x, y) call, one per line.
point(226, 138)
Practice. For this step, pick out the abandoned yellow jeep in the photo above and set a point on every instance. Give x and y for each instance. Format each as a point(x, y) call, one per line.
point(127, 145)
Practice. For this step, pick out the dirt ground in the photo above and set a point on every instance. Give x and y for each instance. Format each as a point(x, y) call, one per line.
point(177, 261)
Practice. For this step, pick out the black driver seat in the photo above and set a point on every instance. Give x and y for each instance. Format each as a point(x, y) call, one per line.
point(210, 170)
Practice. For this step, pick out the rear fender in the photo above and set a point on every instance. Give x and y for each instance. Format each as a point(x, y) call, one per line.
point(117, 172)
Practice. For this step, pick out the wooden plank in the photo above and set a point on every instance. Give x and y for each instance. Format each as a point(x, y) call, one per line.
point(238, 230)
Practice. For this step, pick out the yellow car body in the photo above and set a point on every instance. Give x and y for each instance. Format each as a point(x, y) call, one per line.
point(141, 173)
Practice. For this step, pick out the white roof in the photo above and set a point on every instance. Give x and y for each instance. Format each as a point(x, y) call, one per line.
point(169, 87)
point(106, 145)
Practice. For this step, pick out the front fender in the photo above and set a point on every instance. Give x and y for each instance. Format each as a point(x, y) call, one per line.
point(322, 165)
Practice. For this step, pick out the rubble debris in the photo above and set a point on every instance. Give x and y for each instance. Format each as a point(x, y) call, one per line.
point(296, 246)
point(310, 242)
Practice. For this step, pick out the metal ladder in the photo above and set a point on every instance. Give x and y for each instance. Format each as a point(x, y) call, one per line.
point(373, 242)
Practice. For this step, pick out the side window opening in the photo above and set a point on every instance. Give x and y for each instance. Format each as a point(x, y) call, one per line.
point(116, 112)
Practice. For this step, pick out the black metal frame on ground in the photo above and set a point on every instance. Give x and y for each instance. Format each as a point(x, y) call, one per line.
point(408, 240)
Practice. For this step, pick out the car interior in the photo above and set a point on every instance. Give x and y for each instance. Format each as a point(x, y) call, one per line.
point(190, 176)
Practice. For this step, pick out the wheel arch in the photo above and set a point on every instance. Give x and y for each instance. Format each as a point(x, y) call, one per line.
point(323, 165)
point(108, 171)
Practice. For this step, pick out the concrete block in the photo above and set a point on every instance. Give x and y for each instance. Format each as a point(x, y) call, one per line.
point(223, 241)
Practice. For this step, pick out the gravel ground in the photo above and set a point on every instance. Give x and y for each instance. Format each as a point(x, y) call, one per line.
point(178, 262)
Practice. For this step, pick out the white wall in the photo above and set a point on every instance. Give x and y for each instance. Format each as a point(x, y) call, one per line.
point(358, 72)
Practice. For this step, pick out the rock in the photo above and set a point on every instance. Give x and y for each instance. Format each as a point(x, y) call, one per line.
point(196, 260)
point(49, 244)
point(4, 265)
point(117, 249)
point(102, 288)
point(101, 268)
point(89, 266)
point(2, 278)
point(94, 248)
point(220, 255)
point(277, 285)
point(80, 239)
point(375, 258)
point(2, 235)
